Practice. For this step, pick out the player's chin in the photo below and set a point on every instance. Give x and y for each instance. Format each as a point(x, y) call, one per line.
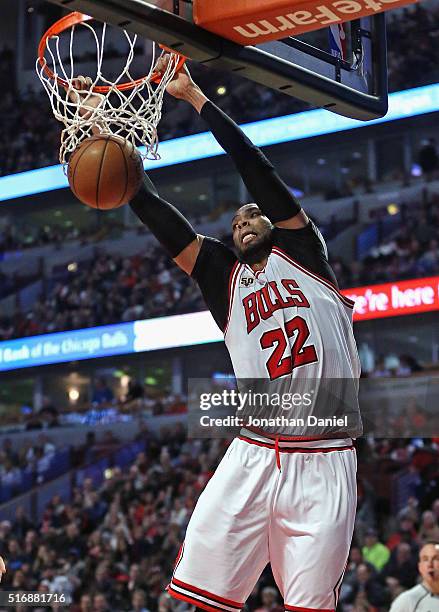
point(251, 247)
point(254, 251)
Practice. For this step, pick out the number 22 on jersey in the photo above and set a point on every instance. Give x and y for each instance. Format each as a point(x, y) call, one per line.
point(279, 364)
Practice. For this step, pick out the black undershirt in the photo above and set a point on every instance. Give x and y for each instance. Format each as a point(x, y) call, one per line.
point(215, 262)
point(274, 198)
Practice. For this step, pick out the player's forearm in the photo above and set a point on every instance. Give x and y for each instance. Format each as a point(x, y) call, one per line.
point(268, 190)
point(167, 224)
point(196, 97)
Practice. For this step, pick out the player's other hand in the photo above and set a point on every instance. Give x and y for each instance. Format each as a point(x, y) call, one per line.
point(2, 568)
point(80, 94)
point(182, 86)
point(182, 82)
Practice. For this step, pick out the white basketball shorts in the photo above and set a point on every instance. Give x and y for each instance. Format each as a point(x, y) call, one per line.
point(288, 504)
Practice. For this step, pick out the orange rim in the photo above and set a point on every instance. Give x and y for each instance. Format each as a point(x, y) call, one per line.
point(77, 18)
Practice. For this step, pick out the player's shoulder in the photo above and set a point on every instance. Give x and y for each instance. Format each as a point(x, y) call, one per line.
point(214, 247)
point(214, 254)
point(307, 247)
point(300, 240)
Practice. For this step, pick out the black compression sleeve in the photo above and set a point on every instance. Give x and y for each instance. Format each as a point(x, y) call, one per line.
point(261, 179)
point(167, 224)
point(212, 272)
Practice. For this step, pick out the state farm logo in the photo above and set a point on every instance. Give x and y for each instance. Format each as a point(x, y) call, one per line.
point(316, 16)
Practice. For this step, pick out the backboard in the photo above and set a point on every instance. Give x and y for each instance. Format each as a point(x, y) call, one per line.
point(354, 87)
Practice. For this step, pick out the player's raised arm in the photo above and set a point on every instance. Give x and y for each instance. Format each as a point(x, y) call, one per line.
point(261, 179)
point(168, 225)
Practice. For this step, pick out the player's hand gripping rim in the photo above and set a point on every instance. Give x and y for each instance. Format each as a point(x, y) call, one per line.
point(81, 95)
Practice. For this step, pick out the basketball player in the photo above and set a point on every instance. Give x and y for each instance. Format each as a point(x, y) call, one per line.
point(424, 597)
point(285, 500)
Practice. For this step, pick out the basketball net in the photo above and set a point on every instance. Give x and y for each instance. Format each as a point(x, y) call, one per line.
point(130, 108)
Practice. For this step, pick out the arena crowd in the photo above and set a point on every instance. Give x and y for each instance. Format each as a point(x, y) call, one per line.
point(113, 544)
point(110, 288)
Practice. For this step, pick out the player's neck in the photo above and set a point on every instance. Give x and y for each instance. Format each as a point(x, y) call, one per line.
point(260, 265)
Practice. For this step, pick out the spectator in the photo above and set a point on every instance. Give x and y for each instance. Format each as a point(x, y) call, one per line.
point(429, 529)
point(270, 601)
point(130, 544)
point(139, 601)
point(102, 393)
point(367, 591)
point(424, 596)
point(402, 565)
point(374, 552)
point(394, 587)
point(49, 413)
point(67, 305)
point(21, 524)
point(10, 476)
point(85, 604)
point(405, 533)
point(350, 577)
point(15, 556)
point(100, 603)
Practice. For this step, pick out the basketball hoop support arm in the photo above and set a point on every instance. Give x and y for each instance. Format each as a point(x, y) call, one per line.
point(271, 64)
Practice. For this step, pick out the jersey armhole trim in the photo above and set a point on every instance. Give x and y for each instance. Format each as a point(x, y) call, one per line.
point(234, 273)
point(346, 301)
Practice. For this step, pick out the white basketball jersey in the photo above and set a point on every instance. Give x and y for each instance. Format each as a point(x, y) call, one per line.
point(293, 329)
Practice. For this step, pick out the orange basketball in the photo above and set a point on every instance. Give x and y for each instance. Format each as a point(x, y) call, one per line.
point(105, 172)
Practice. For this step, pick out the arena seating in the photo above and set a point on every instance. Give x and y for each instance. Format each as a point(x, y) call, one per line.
point(35, 462)
point(116, 539)
point(149, 284)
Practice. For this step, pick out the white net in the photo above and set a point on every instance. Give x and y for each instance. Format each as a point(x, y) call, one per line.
point(132, 113)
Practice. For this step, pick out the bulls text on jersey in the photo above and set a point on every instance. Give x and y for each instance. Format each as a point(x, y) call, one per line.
point(260, 305)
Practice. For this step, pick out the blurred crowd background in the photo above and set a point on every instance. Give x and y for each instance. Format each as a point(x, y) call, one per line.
point(110, 537)
point(110, 288)
point(112, 545)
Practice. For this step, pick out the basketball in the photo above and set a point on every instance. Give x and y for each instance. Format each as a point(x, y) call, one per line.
point(105, 172)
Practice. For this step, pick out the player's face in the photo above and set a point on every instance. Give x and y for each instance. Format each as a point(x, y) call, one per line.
point(251, 230)
point(429, 564)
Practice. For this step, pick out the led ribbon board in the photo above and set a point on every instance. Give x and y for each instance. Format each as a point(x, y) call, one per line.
point(371, 302)
point(109, 340)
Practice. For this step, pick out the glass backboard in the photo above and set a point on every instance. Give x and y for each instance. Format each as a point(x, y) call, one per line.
point(302, 67)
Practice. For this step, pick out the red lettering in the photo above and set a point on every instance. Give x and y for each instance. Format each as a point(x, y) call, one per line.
point(298, 297)
point(280, 301)
point(261, 304)
point(265, 305)
point(251, 312)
